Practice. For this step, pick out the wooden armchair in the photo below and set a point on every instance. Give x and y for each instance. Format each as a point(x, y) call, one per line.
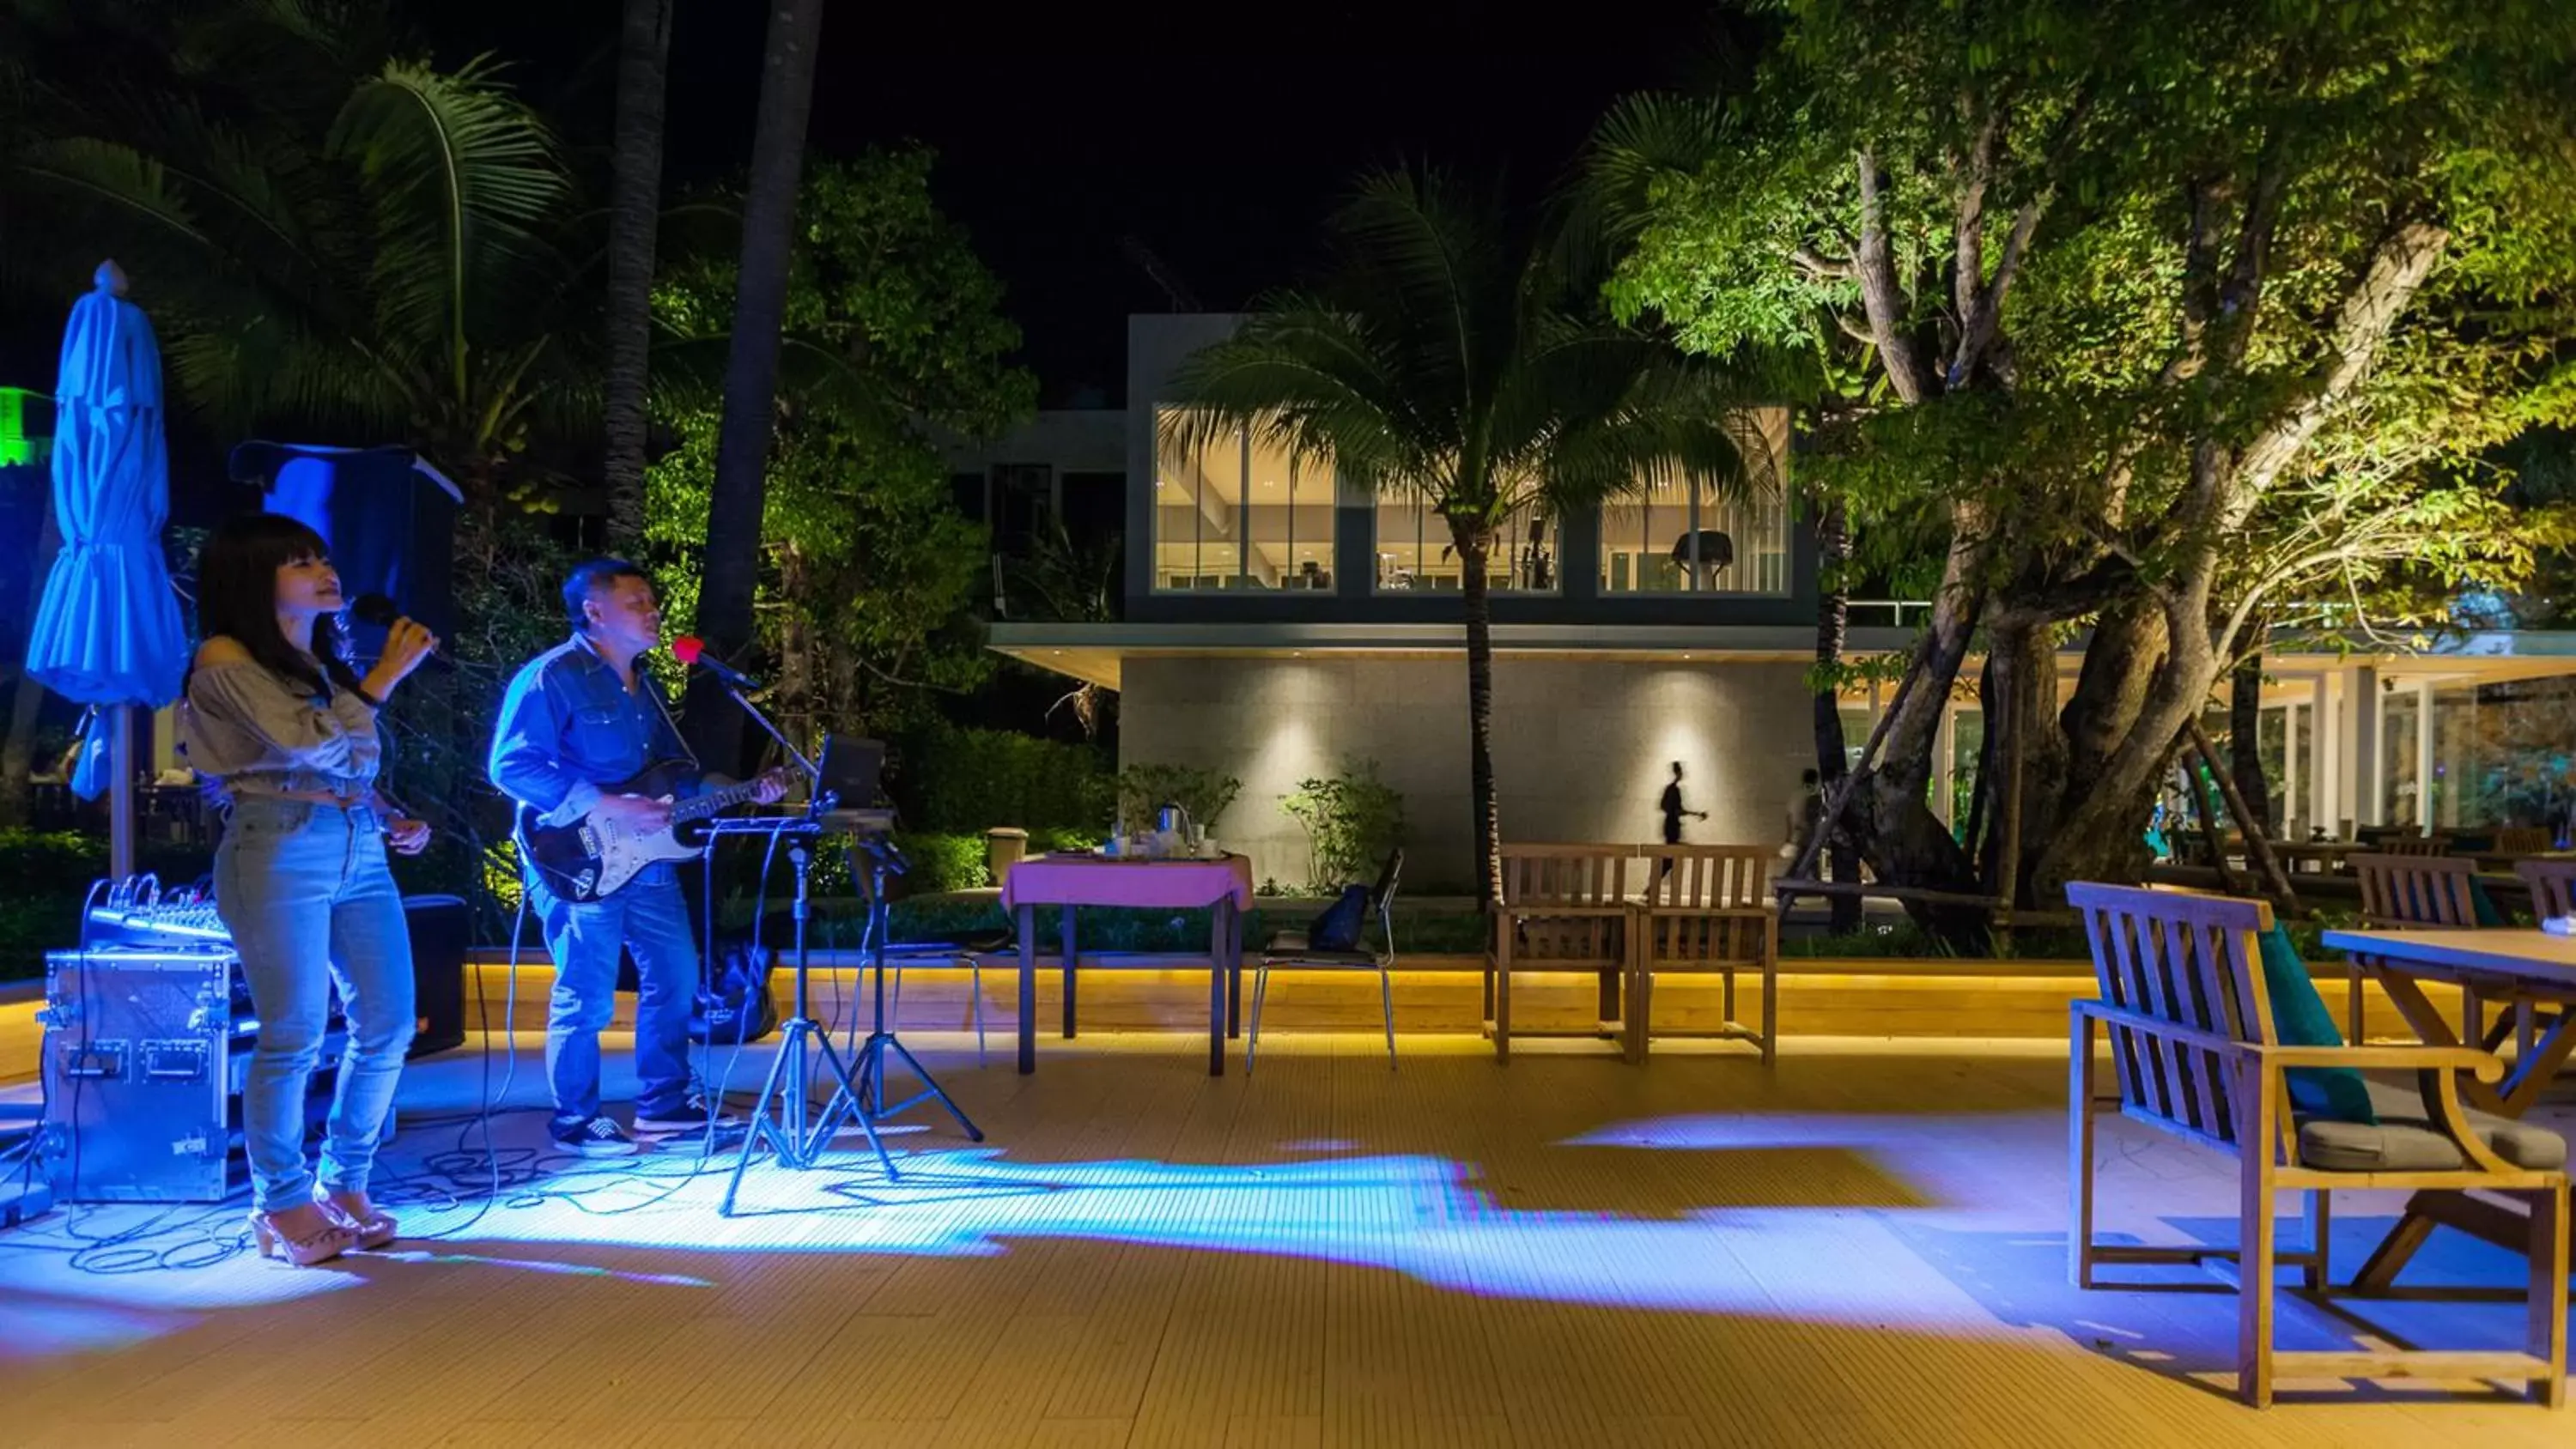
point(2521, 839)
point(2192, 1042)
point(2413, 845)
point(2414, 890)
point(2553, 886)
point(1708, 911)
point(1565, 908)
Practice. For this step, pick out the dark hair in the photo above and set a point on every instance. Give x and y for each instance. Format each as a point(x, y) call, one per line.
point(589, 577)
point(1807, 777)
point(237, 598)
point(1677, 769)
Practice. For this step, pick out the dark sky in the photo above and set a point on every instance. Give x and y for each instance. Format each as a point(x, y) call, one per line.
point(1217, 135)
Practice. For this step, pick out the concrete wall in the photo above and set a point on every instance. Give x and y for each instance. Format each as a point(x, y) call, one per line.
point(1582, 747)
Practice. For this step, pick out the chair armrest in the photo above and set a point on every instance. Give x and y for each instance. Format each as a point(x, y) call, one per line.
point(2485, 1066)
point(2173, 1031)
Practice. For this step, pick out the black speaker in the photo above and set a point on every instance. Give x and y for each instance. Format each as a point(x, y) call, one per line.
point(389, 517)
point(441, 929)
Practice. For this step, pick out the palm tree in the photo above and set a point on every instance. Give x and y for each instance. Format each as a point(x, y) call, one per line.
point(731, 574)
point(1455, 353)
point(634, 205)
point(326, 240)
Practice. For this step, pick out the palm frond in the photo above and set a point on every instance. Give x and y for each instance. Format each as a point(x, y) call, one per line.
point(464, 179)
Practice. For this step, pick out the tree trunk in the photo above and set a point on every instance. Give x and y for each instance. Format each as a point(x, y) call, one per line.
point(1833, 624)
point(1893, 825)
point(2245, 742)
point(2024, 749)
point(1473, 547)
point(731, 568)
point(634, 214)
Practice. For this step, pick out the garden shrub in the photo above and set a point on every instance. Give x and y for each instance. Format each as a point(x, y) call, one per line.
point(970, 780)
point(1144, 789)
point(1353, 821)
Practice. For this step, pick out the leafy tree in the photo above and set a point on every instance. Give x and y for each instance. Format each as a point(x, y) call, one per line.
point(895, 338)
point(1452, 352)
point(2183, 313)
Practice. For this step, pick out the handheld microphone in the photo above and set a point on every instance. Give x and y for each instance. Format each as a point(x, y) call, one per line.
point(690, 649)
point(380, 611)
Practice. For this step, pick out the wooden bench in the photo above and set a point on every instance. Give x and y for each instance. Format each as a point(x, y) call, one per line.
point(1707, 911)
point(2194, 1050)
point(1565, 908)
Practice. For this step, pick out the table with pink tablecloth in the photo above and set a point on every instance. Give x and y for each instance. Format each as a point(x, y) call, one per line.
point(1222, 887)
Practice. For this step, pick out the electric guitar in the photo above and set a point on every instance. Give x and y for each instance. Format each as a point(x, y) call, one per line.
point(592, 857)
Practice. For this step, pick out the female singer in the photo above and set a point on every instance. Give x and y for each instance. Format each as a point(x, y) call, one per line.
point(274, 712)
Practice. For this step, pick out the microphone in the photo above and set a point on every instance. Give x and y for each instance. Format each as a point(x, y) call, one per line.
point(380, 611)
point(690, 649)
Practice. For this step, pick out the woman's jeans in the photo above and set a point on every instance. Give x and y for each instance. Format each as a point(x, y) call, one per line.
point(305, 891)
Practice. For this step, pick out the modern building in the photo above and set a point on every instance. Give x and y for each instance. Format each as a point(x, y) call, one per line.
point(1278, 624)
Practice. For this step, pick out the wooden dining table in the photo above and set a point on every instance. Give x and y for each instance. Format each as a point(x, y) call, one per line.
point(2528, 967)
point(1222, 887)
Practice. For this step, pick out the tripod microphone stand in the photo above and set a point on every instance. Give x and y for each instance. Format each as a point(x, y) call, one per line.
point(791, 1075)
point(869, 1103)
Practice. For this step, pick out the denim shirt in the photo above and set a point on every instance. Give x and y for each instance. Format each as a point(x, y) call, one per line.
point(569, 727)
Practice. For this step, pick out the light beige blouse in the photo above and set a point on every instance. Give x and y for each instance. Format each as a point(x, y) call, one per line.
point(261, 734)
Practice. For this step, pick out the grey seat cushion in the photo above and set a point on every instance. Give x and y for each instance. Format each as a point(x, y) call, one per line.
point(1288, 948)
point(2405, 1139)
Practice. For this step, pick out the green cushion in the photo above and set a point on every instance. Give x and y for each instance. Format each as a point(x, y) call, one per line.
point(2300, 1018)
point(2483, 905)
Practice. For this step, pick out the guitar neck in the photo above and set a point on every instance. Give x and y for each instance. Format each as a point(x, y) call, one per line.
point(714, 802)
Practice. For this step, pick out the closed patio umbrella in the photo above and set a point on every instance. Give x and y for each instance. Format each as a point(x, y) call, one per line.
point(108, 631)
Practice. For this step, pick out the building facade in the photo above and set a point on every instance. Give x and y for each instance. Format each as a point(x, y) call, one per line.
point(1279, 625)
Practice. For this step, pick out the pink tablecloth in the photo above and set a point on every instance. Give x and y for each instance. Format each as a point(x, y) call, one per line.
point(1095, 881)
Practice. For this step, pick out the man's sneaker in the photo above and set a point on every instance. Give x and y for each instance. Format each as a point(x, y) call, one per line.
point(691, 1115)
point(597, 1137)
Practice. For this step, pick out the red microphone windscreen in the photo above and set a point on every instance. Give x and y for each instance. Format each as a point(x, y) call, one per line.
point(686, 648)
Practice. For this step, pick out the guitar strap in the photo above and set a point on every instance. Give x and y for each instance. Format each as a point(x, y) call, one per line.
point(653, 691)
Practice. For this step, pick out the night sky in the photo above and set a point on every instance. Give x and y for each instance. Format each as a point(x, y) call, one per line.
point(1218, 136)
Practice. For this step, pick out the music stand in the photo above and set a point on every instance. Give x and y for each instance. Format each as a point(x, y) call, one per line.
point(848, 775)
point(790, 1074)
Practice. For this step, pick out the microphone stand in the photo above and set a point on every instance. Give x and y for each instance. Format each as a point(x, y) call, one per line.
point(779, 1119)
point(813, 772)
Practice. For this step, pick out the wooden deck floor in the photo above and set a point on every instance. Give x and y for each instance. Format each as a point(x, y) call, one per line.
point(1865, 1245)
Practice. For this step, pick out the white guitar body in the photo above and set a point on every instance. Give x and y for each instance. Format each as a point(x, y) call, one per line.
point(623, 854)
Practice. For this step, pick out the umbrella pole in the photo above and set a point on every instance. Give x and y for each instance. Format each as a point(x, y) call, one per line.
point(120, 794)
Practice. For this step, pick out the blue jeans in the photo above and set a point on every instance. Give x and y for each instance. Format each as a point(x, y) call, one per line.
point(305, 891)
point(645, 916)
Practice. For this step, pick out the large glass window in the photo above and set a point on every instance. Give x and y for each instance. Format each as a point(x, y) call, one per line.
point(1673, 538)
point(1239, 513)
point(1414, 550)
point(1677, 537)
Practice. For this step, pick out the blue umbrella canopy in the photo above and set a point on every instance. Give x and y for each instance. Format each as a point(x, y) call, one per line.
point(108, 630)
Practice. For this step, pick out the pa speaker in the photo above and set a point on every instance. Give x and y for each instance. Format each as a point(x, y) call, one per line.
point(441, 928)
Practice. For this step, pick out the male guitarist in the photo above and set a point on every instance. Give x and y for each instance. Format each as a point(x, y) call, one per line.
point(580, 720)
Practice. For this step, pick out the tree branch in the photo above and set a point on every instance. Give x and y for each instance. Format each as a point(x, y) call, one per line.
point(1969, 244)
point(1816, 264)
point(1985, 314)
point(1881, 298)
point(2363, 320)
